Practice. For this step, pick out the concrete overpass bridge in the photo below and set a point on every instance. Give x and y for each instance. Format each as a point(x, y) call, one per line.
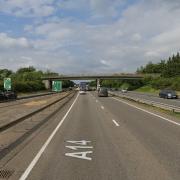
point(48, 80)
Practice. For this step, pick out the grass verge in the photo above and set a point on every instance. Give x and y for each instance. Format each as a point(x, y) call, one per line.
point(147, 89)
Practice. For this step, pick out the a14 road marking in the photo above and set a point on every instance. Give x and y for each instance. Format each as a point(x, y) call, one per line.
point(78, 146)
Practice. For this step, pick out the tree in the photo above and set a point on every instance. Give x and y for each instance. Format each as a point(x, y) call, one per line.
point(169, 68)
point(26, 69)
point(4, 73)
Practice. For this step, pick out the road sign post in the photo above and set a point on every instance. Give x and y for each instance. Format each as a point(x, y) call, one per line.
point(57, 86)
point(7, 84)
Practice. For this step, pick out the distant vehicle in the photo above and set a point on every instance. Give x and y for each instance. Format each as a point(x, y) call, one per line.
point(10, 95)
point(82, 92)
point(124, 90)
point(168, 94)
point(103, 92)
point(82, 86)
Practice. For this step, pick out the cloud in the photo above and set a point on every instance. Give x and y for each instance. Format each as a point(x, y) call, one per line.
point(9, 42)
point(30, 8)
point(136, 37)
point(140, 32)
point(105, 7)
point(96, 8)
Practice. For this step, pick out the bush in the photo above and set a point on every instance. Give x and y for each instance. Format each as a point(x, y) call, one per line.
point(28, 86)
point(1, 85)
point(125, 86)
point(162, 83)
point(176, 84)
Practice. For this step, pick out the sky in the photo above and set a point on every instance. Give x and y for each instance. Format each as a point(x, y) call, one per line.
point(87, 36)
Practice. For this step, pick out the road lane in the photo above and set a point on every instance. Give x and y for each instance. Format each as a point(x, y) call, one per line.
point(158, 136)
point(90, 146)
point(83, 123)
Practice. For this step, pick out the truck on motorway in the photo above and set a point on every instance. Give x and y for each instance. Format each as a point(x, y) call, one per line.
point(82, 87)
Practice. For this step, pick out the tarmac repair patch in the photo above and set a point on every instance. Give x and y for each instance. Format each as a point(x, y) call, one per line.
point(36, 103)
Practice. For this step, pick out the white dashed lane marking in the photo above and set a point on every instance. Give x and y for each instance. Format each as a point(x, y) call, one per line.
point(115, 122)
point(146, 111)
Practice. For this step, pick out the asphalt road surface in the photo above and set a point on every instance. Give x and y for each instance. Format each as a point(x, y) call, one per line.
point(151, 97)
point(104, 139)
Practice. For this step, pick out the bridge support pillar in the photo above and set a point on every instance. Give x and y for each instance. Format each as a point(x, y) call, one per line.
point(48, 84)
point(98, 84)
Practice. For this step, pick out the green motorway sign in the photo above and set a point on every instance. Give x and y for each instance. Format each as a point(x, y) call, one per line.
point(7, 83)
point(57, 86)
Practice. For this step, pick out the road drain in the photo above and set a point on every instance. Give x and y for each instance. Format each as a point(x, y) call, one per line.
point(5, 173)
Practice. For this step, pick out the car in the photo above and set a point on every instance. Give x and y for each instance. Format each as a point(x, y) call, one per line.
point(124, 90)
point(103, 92)
point(10, 95)
point(82, 92)
point(168, 94)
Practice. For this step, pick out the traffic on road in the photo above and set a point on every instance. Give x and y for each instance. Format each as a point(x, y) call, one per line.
point(89, 90)
point(93, 137)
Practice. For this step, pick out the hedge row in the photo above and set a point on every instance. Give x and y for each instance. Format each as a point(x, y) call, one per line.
point(26, 86)
point(161, 83)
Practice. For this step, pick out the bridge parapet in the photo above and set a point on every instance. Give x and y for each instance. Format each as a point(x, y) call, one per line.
point(94, 77)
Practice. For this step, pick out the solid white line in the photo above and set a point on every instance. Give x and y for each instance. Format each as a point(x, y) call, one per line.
point(102, 107)
point(166, 119)
point(36, 158)
point(115, 122)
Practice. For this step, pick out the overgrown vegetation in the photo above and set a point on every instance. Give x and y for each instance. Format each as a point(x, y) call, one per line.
point(166, 68)
point(28, 79)
point(169, 71)
point(120, 84)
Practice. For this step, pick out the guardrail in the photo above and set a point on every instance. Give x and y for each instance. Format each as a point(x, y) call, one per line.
point(149, 102)
point(41, 94)
point(35, 95)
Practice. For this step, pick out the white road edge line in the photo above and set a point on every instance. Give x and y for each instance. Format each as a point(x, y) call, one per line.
point(115, 122)
point(37, 157)
point(166, 119)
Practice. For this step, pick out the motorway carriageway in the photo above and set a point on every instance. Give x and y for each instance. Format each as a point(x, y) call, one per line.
point(151, 97)
point(96, 138)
